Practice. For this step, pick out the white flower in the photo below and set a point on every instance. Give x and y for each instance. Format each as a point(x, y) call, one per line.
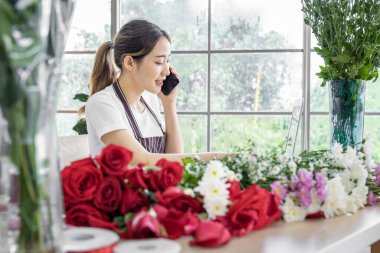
point(213, 189)
point(292, 166)
point(347, 181)
point(275, 170)
point(368, 147)
point(230, 175)
point(336, 198)
point(214, 170)
point(357, 199)
point(189, 191)
point(238, 176)
point(315, 205)
point(216, 207)
point(291, 211)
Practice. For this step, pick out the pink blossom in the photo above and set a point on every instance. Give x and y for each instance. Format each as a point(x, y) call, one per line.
point(279, 190)
point(377, 175)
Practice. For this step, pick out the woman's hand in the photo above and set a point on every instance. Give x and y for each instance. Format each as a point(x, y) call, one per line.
point(168, 100)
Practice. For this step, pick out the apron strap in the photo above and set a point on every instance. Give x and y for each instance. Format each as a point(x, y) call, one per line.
point(130, 117)
point(154, 115)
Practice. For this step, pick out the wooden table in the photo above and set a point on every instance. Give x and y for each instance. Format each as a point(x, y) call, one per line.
point(342, 234)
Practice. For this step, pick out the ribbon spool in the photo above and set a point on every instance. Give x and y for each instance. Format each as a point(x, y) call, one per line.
point(159, 245)
point(89, 240)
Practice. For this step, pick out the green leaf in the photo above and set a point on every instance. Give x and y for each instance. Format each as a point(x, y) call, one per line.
point(341, 59)
point(119, 220)
point(81, 97)
point(81, 126)
point(364, 72)
point(128, 217)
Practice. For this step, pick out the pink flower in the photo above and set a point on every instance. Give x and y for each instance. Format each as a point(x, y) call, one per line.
point(304, 196)
point(377, 175)
point(321, 186)
point(279, 190)
point(305, 178)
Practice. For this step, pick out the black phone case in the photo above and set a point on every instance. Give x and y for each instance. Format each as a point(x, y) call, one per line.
point(170, 83)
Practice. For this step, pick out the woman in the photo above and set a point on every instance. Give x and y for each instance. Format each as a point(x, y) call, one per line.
point(123, 109)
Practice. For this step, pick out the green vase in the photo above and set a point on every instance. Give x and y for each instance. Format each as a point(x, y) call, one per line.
point(346, 112)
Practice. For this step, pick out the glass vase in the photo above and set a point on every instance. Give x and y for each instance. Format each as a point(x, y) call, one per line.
point(37, 31)
point(346, 112)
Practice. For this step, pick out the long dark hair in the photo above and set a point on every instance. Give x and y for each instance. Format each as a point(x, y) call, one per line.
point(136, 38)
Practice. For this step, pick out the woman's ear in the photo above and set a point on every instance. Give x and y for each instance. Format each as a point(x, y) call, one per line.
point(128, 62)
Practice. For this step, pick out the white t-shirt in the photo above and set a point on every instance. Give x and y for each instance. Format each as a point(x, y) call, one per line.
point(105, 113)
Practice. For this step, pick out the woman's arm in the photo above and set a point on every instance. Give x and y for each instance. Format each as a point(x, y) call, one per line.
point(141, 155)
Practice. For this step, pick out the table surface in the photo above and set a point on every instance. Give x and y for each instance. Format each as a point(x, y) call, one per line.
point(339, 234)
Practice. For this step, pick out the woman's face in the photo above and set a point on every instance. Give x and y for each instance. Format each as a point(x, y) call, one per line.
point(152, 71)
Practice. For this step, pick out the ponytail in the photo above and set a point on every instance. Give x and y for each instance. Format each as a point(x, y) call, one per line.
point(136, 38)
point(104, 72)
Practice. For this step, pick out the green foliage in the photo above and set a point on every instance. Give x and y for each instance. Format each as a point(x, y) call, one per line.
point(81, 97)
point(81, 126)
point(348, 37)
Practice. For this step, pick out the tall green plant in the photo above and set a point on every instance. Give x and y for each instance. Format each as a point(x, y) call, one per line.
point(348, 37)
point(32, 37)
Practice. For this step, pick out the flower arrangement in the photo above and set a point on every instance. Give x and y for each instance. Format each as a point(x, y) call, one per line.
point(347, 37)
point(216, 200)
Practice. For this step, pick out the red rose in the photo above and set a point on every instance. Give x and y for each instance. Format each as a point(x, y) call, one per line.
point(114, 160)
point(84, 215)
point(80, 181)
point(234, 189)
point(211, 234)
point(136, 177)
point(169, 175)
point(173, 197)
point(133, 201)
point(254, 208)
point(143, 225)
point(176, 223)
point(108, 196)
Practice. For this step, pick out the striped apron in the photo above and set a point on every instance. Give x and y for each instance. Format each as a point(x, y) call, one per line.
point(154, 144)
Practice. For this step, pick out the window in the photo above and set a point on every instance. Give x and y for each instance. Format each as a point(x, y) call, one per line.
point(241, 64)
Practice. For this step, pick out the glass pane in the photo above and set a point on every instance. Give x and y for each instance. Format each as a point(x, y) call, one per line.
point(256, 24)
point(91, 25)
point(371, 127)
point(372, 96)
point(184, 20)
point(319, 132)
point(319, 96)
point(75, 79)
point(194, 133)
point(192, 90)
point(255, 82)
point(266, 131)
point(65, 123)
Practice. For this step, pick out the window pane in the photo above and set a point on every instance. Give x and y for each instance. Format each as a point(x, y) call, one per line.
point(184, 20)
point(256, 24)
point(192, 90)
point(371, 127)
point(75, 79)
point(90, 26)
point(65, 123)
point(194, 133)
point(319, 132)
point(319, 96)
point(255, 82)
point(231, 131)
point(372, 96)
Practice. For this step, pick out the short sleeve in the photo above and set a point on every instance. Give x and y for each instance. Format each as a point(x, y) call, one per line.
point(103, 115)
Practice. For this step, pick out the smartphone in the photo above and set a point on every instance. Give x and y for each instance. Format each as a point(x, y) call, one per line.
point(170, 83)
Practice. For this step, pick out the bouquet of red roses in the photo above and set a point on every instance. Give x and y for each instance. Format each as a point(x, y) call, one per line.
point(147, 201)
